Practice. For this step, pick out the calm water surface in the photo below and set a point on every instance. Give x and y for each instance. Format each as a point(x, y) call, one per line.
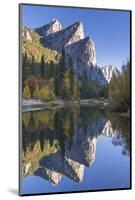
point(74, 149)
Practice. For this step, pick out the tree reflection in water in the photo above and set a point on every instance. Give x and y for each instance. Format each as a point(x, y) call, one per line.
point(62, 141)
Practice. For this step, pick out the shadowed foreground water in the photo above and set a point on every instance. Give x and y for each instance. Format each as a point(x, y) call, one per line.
point(74, 149)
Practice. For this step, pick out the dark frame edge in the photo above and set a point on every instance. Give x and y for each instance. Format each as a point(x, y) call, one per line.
point(20, 92)
point(130, 99)
point(69, 6)
point(74, 192)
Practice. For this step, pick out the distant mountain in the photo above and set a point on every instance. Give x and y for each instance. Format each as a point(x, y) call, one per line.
point(108, 72)
point(70, 42)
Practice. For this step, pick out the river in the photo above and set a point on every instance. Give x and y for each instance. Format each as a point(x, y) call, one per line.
point(74, 149)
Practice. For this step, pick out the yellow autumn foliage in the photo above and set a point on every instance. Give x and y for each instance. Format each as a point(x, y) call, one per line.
point(26, 92)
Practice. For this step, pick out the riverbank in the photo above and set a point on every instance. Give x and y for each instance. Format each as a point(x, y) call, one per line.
point(35, 104)
point(125, 114)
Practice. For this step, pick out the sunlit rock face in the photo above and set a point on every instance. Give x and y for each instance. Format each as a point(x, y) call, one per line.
point(82, 54)
point(83, 51)
point(26, 33)
point(109, 131)
point(52, 176)
point(73, 169)
point(26, 169)
point(108, 72)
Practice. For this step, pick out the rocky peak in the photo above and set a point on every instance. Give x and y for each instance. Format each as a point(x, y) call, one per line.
point(48, 29)
point(64, 37)
point(108, 72)
point(77, 29)
point(55, 25)
point(76, 33)
point(26, 33)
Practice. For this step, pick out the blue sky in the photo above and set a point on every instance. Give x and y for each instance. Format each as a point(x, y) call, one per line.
point(110, 30)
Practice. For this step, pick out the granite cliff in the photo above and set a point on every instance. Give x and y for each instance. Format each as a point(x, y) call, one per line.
point(76, 48)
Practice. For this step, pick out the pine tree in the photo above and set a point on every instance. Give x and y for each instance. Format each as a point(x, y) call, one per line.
point(51, 84)
point(51, 69)
point(119, 90)
point(59, 78)
point(57, 82)
point(46, 76)
point(76, 90)
point(62, 77)
point(33, 60)
point(84, 87)
point(42, 67)
point(72, 124)
point(33, 65)
point(72, 83)
point(65, 88)
point(25, 59)
point(26, 70)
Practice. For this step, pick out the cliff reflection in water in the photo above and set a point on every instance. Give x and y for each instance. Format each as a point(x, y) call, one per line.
point(61, 142)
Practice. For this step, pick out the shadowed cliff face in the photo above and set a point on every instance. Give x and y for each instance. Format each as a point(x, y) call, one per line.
point(83, 51)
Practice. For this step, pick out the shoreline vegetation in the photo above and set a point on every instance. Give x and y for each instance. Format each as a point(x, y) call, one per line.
point(36, 104)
